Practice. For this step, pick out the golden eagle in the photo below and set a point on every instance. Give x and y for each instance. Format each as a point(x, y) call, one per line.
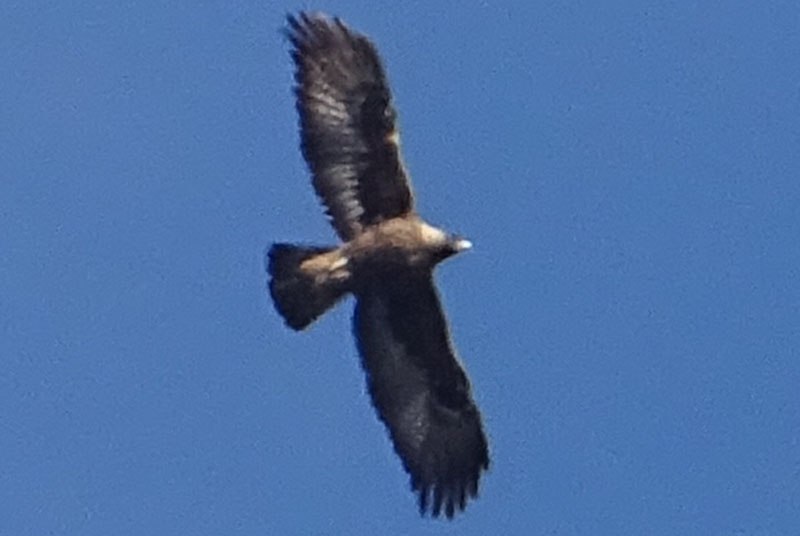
point(386, 260)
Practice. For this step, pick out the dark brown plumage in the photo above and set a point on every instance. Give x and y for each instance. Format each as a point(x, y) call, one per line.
point(350, 141)
point(348, 124)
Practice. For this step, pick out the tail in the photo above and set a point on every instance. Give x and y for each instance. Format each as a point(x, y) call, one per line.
point(305, 281)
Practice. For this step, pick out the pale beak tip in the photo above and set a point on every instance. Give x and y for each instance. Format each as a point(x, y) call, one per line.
point(462, 245)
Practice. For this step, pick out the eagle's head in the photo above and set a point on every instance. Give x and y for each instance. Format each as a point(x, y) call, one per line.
point(441, 244)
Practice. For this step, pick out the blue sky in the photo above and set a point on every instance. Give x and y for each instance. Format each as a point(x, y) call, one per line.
point(627, 171)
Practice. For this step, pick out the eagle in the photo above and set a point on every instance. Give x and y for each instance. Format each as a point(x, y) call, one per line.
point(385, 260)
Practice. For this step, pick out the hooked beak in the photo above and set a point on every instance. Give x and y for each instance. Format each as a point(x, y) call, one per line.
point(462, 245)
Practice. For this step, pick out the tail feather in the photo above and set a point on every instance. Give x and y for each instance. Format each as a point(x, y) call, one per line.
point(301, 295)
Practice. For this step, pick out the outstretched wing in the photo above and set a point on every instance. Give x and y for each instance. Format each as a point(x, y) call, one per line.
point(347, 124)
point(421, 392)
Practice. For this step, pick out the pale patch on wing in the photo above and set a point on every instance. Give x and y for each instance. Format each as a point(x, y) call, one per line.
point(339, 263)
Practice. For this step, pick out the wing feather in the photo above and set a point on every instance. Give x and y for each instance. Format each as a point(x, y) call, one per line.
point(421, 392)
point(347, 124)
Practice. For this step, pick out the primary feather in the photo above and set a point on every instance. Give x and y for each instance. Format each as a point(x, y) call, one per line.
point(347, 124)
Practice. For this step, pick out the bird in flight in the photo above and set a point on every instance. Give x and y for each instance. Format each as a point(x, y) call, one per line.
point(386, 259)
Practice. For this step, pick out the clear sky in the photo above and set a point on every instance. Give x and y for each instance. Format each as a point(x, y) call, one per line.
point(629, 173)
